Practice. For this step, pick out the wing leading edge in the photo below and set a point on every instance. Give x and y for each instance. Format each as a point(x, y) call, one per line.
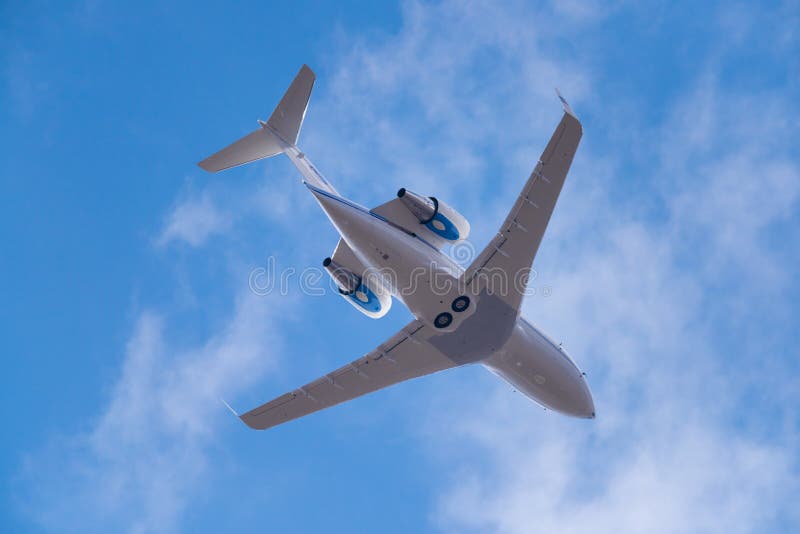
point(514, 247)
point(404, 356)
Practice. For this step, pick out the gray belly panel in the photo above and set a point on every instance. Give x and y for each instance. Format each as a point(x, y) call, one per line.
point(481, 334)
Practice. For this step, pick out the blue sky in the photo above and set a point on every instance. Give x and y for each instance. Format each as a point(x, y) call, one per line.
point(669, 266)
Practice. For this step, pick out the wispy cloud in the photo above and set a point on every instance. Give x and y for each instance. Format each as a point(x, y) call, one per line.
point(266, 195)
point(194, 220)
point(147, 454)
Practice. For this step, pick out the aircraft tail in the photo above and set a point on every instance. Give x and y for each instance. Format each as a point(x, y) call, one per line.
point(276, 135)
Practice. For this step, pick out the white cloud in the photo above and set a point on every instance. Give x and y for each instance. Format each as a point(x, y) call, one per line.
point(274, 197)
point(682, 478)
point(194, 220)
point(147, 455)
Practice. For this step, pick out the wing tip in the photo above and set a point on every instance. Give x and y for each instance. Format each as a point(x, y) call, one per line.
point(253, 423)
point(246, 418)
point(206, 166)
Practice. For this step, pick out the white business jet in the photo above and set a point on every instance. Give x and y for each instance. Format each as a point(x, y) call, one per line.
point(395, 250)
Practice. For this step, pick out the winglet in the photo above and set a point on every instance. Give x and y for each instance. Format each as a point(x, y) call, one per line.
point(565, 104)
point(229, 407)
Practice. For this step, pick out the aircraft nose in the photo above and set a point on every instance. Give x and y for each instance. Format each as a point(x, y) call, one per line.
point(580, 402)
point(574, 397)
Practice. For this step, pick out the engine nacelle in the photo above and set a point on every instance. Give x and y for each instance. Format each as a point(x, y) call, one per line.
point(366, 294)
point(439, 218)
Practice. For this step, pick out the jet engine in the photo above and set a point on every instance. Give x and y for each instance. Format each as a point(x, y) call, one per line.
point(366, 294)
point(439, 218)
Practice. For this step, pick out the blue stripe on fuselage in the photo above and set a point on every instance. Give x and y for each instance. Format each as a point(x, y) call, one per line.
point(362, 209)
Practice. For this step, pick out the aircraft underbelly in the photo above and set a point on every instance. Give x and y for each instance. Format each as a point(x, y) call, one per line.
point(423, 279)
point(420, 276)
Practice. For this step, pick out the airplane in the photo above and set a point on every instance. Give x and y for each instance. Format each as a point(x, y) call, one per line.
point(461, 316)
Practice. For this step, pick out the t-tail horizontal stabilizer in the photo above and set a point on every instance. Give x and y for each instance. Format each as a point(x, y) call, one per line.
point(275, 135)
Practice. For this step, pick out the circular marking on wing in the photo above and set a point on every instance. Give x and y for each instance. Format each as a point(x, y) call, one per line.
point(539, 379)
point(439, 225)
point(360, 295)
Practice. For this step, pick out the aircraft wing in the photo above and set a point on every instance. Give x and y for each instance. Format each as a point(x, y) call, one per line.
point(514, 247)
point(404, 356)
